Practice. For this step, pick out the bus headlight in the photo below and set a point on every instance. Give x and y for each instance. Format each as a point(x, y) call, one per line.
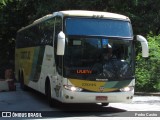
point(127, 89)
point(73, 88)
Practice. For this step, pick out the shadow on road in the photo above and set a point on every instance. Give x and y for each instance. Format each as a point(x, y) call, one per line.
point(77, 110)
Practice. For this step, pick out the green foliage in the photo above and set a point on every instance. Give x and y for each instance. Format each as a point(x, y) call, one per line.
point(148, 70)
point(145, 16)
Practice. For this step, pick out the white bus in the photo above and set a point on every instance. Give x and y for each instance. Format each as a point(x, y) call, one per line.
point(79, 57)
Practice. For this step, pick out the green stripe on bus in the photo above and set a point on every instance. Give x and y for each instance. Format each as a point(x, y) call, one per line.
point(37, 63)
point(117, 84)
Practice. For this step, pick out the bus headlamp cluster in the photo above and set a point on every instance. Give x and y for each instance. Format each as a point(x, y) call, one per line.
point(127, 89)
point(73, 88)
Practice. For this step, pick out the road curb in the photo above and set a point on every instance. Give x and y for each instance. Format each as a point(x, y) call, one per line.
point(147, 94)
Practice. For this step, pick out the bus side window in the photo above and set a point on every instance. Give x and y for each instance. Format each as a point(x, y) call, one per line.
point(47, 29)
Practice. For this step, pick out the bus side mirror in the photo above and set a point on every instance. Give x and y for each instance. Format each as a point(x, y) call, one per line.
point(61, 43)
point(144, 44)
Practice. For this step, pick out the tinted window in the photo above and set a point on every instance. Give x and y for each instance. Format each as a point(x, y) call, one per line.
point(37, 35)
point(98, 27)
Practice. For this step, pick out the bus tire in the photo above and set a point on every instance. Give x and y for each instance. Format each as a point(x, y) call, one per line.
point(21, 79)
point(104, 104)
point(48, 93)
point(51, 102)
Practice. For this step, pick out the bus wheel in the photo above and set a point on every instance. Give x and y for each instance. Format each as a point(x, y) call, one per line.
point(52, 102)
point(104, 104)
point(48, 94)
point(22, 85)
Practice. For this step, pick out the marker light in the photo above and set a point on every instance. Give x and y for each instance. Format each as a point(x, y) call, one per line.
point(127, 89)
point(73, 88)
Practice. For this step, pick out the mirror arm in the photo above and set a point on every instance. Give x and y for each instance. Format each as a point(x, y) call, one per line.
point(144, 44)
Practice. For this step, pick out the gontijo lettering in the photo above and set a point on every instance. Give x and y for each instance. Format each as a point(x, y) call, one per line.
point(25, 55)
point(88, 84)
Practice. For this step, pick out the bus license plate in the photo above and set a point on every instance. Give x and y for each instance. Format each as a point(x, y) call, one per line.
point(101, 98)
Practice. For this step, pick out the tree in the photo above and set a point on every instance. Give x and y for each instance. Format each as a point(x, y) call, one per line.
point(147, 71)
point(144, 15)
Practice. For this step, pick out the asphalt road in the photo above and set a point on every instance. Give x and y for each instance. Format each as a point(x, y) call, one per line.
point(23, 101)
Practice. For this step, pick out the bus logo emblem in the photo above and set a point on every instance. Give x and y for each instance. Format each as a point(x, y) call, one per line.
point(101, 88)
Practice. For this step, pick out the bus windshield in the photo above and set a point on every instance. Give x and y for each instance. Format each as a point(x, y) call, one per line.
point(98, 27)
point(98, 58)
point(98, 49)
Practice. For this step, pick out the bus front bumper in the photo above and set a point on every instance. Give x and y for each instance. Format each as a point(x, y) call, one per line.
point(89, 97)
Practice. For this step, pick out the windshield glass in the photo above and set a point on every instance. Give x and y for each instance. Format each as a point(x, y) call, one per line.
point(98, 58)
point(98, 27)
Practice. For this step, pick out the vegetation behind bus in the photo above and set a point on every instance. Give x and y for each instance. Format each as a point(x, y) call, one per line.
point(145, 16)
point(148, 70)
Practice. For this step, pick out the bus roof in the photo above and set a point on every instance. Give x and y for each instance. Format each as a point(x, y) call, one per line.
point(96, 14)
point(79, 13)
